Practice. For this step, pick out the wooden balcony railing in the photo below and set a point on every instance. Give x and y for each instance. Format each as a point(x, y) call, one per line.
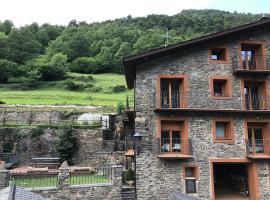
point(174, 148)
point(258, 148)
point(256, 101)
point(253, 64)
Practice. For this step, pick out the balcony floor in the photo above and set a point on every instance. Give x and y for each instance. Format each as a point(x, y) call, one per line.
point(251, 72)
point(258, 156)
point(174, 156)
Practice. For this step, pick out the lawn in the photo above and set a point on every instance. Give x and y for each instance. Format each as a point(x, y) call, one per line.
point(55, 93)
point(36, 182)
point(51, 181)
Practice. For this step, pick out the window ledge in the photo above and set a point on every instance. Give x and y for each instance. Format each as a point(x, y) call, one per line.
point(225, 140)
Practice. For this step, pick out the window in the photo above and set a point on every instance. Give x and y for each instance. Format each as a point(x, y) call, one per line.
point(220, 87)
point(255, 95)
point(218, 55)
point(223, 131)
point(172, 134)
point(171, 91)
point(252, 55)
point(190, 175)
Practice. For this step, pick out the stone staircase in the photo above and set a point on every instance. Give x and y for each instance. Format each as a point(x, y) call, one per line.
point(128, 193)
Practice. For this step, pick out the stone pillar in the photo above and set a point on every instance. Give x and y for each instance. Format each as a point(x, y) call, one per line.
point(117, 180)
point(4, 178)
point(63, 178)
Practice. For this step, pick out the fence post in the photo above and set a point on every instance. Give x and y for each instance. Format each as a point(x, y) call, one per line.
point(4, 178)
point(117, 178)
point(63, 177)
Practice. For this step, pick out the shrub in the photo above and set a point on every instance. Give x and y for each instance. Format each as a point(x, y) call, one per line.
point(66, 144)
point(119, 88)
point(120, 107)
point(7, 70)
point(84, 65)
point(71, 85)
point(36, 132)
point(129, 175)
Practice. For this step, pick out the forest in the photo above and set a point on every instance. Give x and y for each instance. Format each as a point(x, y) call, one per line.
point(48, 52)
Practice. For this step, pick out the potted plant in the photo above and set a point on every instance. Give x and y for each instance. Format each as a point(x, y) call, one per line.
point(129, 176)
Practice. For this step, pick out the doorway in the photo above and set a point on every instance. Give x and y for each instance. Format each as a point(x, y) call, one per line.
point(234, 179)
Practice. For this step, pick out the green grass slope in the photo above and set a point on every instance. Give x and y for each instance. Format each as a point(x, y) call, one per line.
point(57, 93)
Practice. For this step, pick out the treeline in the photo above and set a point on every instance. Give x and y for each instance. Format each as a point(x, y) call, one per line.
point(48, 52)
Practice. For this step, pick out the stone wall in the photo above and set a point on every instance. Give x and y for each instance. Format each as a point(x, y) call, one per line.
point(157, 178)
point(89, 146)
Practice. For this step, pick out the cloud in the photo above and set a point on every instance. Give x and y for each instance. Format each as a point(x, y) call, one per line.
point(62, 11)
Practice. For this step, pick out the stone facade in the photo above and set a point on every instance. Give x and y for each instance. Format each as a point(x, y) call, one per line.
point(157, 178)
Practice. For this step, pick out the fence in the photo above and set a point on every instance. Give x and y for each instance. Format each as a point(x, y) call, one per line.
point(27, 120)
point(46, 179)
point(62, 178)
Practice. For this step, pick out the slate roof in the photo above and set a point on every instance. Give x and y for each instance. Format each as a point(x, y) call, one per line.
point(17, 193)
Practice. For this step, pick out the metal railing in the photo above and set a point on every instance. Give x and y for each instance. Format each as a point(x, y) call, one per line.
point(47, 179)
point(256, 101)
point(35, 179)
point(170, 99)
point(254, 62)
point(98, 175)
point(257, 146)
point(175, 145)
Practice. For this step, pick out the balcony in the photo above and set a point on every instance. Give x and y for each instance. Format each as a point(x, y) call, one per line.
point(172, 99)
point(254, 101)
point(258, 148)
point(250, 65)
point(174, 148)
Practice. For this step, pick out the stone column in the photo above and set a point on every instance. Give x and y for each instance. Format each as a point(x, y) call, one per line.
point(63, 178)
point(117, 181)
point(4, 178)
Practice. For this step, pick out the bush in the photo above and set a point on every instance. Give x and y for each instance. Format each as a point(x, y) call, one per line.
point(66, 144)
point(119, 88)
point(129, 175)
point(86, 65)
point(120, 107)
point(36, 132)
point(71, 85)
point(52, 72)
point(7, 70)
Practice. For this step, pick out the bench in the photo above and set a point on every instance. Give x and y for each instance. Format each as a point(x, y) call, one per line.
point(51, 163)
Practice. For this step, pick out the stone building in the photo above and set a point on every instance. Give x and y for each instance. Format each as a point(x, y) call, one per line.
point(203, 106)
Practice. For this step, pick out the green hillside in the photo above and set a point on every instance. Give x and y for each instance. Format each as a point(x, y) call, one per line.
point(100, 93)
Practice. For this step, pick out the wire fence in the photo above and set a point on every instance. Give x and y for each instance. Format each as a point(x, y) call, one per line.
point(81, 176)
point(33, 180)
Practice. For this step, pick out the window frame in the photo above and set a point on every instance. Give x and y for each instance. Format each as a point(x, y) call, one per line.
point(183, 89)
point(219, 47)
point(195, 169)
point(183, 130)
point(227, 86)
point(262, 50)
point(229, 131)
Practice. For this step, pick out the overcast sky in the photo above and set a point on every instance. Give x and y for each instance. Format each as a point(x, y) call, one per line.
point(23, 12)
